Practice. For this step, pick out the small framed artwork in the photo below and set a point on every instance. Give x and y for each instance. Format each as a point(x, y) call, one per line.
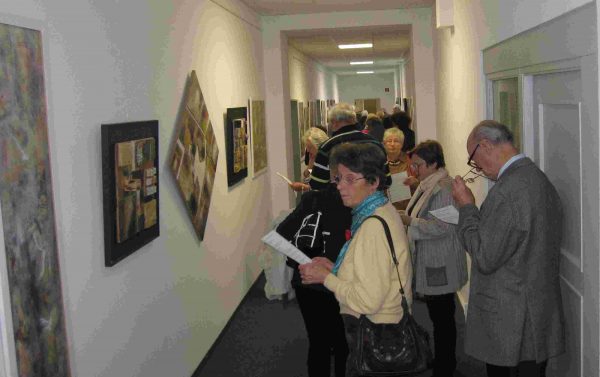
point(258, 136)
point(130, 187)
point(236, 147)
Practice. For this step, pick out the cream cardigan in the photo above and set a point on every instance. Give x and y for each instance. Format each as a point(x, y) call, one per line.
point(366, 282)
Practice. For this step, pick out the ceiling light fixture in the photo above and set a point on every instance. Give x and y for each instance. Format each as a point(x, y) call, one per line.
point(356, 45)
point(361, 63)
point(364, 72)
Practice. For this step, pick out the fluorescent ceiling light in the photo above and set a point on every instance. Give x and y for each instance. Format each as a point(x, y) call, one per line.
point(360, 63)
point(364, 72)
point(356, 45)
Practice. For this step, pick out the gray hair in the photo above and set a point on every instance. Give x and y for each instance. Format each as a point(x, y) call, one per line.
point(394, 131)
point(342, 112)
point(315, 135)
point(493, 131)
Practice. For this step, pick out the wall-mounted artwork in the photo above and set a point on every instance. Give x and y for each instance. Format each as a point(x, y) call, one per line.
point(194, 155)
point(258, 135)
point(236, 144)
point(130, 185)
point(33, 274)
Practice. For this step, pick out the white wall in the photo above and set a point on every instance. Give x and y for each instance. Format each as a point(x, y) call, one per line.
point(460, 80)
point(308, 79)
point(277, 79)
point(157, 312)
point(352, 87)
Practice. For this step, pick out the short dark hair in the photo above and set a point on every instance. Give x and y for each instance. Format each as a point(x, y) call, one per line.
point(387, 122)
point(401, 119)
point(430, 151)
point(365, 158)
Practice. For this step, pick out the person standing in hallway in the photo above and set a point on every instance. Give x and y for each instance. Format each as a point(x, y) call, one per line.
point(402, 120)
point(515, 321)
point(439, 259)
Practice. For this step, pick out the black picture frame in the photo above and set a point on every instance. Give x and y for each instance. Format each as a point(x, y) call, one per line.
point(236, 144)
point(137, 141)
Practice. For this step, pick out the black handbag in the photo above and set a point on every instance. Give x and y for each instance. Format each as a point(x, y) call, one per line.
point(392, 349)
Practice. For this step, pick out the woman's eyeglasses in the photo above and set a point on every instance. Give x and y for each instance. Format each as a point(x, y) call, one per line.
point(347, 179)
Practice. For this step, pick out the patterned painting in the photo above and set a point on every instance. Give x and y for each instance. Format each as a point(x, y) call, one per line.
point(27, 208)
point(130, 187)
point(259, 135)
point(194, 155)
point(236, 144)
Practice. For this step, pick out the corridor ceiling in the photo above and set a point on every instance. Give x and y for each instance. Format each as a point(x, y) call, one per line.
point(391, 44)
point(279, 7)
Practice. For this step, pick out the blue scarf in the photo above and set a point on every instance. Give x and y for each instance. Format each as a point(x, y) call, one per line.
point(359, 214)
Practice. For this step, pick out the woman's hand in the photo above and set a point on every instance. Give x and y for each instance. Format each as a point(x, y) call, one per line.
point(411, 182)
point(299, 186)
point(313, 273)
point(322, 261)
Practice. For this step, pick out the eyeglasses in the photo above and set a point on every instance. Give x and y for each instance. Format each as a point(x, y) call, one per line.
point(472, 179)
point(472, 163)
point(347, 179)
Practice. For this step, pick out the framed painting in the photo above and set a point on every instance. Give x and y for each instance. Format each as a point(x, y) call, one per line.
point(236, 144)
point(258, 135)
point(130, 187)
point(33, 322)
point(194, 155)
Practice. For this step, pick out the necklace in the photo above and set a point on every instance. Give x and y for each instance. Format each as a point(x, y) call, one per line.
point(394, 163)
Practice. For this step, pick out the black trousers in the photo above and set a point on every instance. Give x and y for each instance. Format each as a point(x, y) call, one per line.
point(523, 369)
point(325, 328)
point(441, 310)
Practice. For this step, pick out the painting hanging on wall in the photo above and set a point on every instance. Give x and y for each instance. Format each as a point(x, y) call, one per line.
point(130, 187)
point(258, 135)
point(194, 155)
point(236, 144)
point(33, 274)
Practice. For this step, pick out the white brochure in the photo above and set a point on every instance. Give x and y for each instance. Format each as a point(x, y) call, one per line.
point(398, 190)
point(277, 242)
point(448, 214)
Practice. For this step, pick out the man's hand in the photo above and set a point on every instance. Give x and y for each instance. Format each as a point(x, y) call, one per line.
point(461, 193)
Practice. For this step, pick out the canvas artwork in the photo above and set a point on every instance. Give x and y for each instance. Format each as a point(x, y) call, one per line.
point(194, 155)
point(130, 186)
point(28, 209)
point(236, 139)
point(259, 135)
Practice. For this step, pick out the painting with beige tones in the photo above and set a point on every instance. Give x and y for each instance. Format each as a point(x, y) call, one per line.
point(258, 135)
point(194, 155)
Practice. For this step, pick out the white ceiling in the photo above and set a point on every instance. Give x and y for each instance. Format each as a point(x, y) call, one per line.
point(279, 7)
point(390, 44)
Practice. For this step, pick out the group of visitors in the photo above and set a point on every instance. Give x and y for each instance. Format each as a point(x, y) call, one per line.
point(515, 320)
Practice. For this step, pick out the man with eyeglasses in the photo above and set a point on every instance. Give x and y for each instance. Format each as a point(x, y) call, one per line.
point(515, 321)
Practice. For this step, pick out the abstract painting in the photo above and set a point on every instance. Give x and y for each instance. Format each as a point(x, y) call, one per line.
point(259, 135)
point(130, 186)
point(28, 208)
point(194, 155)
point(236, 144)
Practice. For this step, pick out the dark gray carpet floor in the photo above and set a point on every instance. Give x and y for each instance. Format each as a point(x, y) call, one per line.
point(267, 339)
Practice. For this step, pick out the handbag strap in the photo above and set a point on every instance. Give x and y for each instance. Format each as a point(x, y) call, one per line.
point(388, 235)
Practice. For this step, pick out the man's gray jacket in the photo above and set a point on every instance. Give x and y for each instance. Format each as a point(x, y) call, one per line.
point(515, 308)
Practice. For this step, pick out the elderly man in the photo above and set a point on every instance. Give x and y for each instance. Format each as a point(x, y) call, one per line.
point(515, 319)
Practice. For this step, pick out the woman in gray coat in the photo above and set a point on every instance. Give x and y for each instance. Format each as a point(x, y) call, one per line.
point(439, 259)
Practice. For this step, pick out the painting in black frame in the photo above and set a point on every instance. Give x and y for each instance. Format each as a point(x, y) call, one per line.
point(236, 139)
point(130, 187)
